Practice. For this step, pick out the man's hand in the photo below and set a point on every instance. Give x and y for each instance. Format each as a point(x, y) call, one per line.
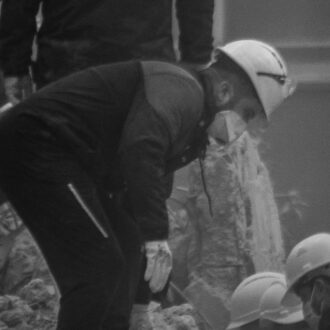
point(159, 264)
point(18, 88)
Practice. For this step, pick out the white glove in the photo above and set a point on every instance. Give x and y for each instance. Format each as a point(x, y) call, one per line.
point(159, 264)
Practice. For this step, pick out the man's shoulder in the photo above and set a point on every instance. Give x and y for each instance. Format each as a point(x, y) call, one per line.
point(166, 70)
point(169, 83)
point(175, 94)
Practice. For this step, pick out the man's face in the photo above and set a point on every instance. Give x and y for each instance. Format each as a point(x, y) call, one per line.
point(320, 301)
point(249, 109)
point(305, 293)
point(244, 113)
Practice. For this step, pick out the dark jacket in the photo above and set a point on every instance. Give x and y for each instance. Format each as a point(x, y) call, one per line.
point(76, 34)
point(129, 124)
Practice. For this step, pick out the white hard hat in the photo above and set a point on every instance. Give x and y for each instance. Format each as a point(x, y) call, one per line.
point(306, 260)
point(265, 68)
point(272, 309)
point(245, 301)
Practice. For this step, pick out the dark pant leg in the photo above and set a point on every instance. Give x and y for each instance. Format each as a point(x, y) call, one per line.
point(143, 293)
point(127, 233)
point(87, 266)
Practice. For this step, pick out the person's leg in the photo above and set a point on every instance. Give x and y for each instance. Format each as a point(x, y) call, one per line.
point(143, 292)
point(128, 235)
point(87, 266)
point(141, 316)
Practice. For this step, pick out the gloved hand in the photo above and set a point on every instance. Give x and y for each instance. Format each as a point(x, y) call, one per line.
point(159, 264)
point(18, 88)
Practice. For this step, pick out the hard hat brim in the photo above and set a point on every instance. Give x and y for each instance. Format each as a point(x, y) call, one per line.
point(235, 325)
point(294, 317)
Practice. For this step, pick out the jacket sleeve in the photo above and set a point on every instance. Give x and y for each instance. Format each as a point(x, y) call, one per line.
point(151, 129)
point(195, 19)
point(17, 30)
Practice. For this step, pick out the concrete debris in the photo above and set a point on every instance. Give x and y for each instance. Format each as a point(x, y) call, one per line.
point(15, 312)
point(153, 317)
point(29, 300)
point(212, 254)
point(37, 294)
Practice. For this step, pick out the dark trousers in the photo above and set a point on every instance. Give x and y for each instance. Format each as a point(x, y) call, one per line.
point(92, 246)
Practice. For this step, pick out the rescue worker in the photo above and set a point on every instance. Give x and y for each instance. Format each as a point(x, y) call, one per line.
point(245, 300)
point(74, 35)
point(308, 276)
point(123, 127)
point(275, 316)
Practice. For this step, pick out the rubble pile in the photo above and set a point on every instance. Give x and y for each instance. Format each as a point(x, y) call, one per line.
point(181, 317)
point(28, 300)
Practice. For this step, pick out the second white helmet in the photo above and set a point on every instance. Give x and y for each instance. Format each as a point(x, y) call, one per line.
point(307, 259)
point(245, 301)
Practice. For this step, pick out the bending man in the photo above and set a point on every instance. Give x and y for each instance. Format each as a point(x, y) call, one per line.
point(88, 159)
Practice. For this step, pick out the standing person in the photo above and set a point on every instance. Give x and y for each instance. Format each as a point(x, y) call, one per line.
point(73, 144)
point(74, 35)
point(308, 277)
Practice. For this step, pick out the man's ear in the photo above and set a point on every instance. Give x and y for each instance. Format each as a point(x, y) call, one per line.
point(319, 295)
point(224, 92)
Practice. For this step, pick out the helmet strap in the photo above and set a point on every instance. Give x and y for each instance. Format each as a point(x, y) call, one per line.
point(280, 78)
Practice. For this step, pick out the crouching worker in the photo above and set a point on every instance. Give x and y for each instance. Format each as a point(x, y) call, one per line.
point(308, 277)
point(89, 160)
